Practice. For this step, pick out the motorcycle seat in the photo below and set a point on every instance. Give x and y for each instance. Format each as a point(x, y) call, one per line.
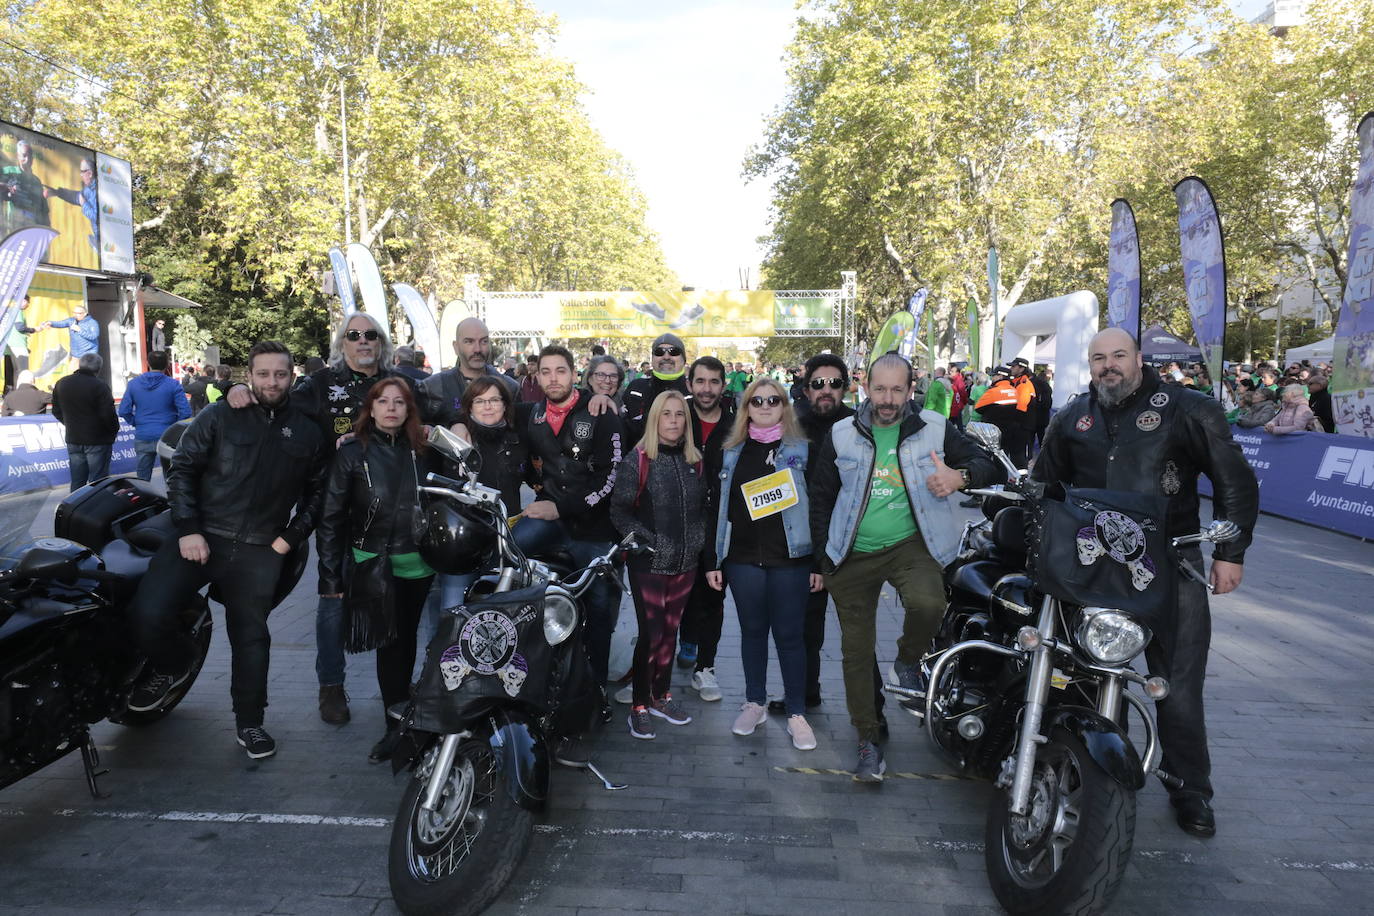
point(1009, 536)
point(148, 536)
point(125, 561)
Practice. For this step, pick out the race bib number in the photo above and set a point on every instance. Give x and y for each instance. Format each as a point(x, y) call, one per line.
point(770, 495)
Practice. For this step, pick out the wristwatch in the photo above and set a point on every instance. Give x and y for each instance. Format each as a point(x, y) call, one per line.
point(968, 481)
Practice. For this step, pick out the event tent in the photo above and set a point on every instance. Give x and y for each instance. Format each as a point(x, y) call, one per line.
point(1159, 346)
point(1319, 352)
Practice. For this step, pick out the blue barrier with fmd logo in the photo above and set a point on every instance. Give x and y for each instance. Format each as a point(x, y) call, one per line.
point(1316, 478)
point(33, 454)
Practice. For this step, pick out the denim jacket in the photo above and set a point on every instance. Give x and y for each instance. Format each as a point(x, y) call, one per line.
point(792, 453)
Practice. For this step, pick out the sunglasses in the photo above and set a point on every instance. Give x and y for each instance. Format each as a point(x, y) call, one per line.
point(355, 334)
point(772, 401)
point(667, 351)
point(818, 383)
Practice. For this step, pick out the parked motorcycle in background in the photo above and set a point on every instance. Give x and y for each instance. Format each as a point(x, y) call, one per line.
point(506, 679)
point(1032, 691)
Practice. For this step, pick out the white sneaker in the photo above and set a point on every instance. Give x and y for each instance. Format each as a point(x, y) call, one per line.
point(803, 738)
point(751, 716)
point(625, 694)
point(705, 684)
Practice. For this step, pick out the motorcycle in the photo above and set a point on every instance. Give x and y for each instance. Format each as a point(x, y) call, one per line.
point(1032, 692)
point(506, 677)
point(67, 659)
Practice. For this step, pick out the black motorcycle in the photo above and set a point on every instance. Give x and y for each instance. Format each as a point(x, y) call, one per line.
point(506, 678)
point(67, 659)
point(1031, 691)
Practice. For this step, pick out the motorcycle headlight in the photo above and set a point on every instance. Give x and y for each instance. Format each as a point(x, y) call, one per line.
point(560, 618)
point(1109, 636)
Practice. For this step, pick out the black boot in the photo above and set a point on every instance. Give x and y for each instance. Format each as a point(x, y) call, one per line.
point(382, 750)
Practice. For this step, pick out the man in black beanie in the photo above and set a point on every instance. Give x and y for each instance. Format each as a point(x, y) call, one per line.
point(668, 359)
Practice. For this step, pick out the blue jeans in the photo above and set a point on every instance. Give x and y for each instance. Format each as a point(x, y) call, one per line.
point(601, 602)
point(329, 640)
point(147, 457)
point(448, 591)
point(772, 598)
point(88, 463)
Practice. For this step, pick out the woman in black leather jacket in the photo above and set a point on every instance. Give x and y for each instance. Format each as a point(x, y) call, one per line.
point(369, 540)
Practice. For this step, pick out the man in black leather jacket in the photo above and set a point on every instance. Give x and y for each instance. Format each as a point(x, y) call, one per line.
point(234, 481)
point(1131, 432)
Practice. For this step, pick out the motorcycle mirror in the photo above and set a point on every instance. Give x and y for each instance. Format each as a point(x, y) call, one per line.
point(450, 444)
point(1222, 530)
point(985, 434)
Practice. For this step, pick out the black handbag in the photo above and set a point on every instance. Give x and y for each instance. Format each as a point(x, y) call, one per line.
point(1105, 548)
point(369, 605)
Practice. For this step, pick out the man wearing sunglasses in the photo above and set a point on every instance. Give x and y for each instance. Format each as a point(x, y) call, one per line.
point(360, 355)
point(880, 509)
point(668, 358)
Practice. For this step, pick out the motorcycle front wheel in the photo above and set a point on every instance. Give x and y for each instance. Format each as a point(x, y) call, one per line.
point(456, 859)
point(1068, 854)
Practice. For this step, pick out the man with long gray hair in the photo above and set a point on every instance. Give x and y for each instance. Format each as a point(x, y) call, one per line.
point(360, 355)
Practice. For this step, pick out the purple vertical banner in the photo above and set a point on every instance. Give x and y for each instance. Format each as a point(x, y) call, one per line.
point(1204, 269)
point(1352, 378)
point(20, 254)
point(1123, 271)
point(343, 280)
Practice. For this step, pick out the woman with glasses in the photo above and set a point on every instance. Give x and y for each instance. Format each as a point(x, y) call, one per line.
point(604, 376)
point(658, 497)
point(762, 548)
point(369, 549)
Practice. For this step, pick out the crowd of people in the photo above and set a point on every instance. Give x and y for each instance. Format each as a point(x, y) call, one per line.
point(790, 489)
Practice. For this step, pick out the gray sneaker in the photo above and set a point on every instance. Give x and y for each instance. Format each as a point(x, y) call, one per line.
point(871, 765)
point(665, 707)
point(641, 723)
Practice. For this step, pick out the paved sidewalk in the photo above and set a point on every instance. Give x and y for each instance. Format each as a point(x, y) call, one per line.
point(713, 823)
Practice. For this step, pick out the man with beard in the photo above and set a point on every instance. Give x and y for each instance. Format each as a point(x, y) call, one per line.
point(359, 357)
point(234, 481)
point(578, 452)
point(881, 513)
point(712, 419)
point(1132, 432)
point(472, 344)
point(669, 357)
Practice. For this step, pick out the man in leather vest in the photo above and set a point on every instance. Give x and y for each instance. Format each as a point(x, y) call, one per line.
point(1131, 432)
point(234, 481)
point(360, 355)
point(880, 508)
point(578, 454)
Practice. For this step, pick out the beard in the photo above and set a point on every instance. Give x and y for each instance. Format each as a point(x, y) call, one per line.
point(825, 405)
point(1113, 388)
point(265, 398)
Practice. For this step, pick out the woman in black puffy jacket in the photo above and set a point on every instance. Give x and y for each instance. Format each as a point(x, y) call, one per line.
point(369, 540)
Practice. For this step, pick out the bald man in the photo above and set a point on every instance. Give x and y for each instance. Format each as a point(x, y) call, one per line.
point(1131, 432)
point(472, 344)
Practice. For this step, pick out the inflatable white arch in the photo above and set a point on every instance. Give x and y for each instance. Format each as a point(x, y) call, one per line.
point(1072, 319)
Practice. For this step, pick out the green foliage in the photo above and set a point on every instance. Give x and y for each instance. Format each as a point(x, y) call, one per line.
point(468, 149)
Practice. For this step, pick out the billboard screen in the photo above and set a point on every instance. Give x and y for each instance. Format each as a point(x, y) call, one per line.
point(85, 197)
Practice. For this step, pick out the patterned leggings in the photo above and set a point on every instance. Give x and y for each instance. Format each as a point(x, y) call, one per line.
point(659, 601)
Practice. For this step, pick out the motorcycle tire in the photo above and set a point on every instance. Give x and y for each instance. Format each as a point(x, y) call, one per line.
point(1051, 861)
point(200, 627)
point(456, 861)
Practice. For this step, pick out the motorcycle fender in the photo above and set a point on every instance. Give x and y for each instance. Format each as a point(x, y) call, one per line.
point(1109, 748)
point(523, 753)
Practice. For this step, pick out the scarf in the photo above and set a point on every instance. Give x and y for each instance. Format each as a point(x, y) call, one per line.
point(765, 433)
point(669, 378)
point(556, 415)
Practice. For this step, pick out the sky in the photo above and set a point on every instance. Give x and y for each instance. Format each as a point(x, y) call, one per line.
point(681, 89)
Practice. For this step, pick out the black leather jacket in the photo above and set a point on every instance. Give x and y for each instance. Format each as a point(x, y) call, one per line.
point(1157, 441)
point(370, 503)
point(238, 473)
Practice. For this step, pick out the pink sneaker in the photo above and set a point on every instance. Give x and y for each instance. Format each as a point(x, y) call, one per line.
point(751, 716)
point(803, 738)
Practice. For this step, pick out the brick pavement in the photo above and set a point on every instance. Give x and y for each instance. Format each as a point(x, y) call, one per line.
point(713, 823)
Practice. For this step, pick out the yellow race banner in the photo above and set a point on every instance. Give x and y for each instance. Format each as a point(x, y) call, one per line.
point(637, 313)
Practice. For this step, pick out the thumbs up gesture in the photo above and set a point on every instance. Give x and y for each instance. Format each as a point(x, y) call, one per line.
point(945, 479)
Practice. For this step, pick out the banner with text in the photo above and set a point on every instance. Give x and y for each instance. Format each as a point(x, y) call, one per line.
point(1352, 381)
point(1123, 271)
point(1316, 478)
point(1204, 268)
point(33, 454)
point(638, 313)
point(810, 313)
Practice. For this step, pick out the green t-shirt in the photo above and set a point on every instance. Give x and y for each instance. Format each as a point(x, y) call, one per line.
point(939, 398)
point(736, 382)
point(403, 565)
point(887, 519)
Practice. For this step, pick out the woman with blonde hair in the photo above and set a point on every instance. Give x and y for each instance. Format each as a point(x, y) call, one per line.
point(762, 548)
point(658, 497)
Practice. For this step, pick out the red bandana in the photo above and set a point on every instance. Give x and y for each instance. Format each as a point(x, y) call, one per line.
point(556, 415)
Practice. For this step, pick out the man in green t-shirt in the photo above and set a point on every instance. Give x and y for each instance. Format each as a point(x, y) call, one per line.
point(737, 380)
point(864, 510)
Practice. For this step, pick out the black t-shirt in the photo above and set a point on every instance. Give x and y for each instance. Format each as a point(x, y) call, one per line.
point(762, 542)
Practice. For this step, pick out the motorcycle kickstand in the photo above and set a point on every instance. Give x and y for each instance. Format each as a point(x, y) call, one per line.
point(605, 783)
point(90, 762)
